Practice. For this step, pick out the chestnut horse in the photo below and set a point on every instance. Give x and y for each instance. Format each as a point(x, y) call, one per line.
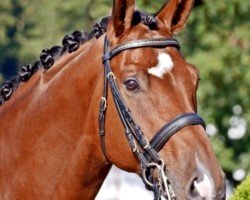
point(53, 143)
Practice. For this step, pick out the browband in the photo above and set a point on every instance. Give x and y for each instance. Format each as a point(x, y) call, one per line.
point(154, 42)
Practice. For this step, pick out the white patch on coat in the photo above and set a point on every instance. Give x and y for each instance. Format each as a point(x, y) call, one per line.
point(165, 64)
point(205, 187)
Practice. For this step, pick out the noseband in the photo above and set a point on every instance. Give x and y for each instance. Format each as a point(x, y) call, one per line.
point(146, 152)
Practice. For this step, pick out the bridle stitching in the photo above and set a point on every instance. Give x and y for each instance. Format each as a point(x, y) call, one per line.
point(157, 42)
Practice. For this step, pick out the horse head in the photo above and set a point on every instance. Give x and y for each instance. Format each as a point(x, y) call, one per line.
point(158, 85)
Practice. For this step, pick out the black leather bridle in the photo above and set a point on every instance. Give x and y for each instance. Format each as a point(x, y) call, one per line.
point(145, 151)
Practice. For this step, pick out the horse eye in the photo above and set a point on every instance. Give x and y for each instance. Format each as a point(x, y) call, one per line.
point(131, 84)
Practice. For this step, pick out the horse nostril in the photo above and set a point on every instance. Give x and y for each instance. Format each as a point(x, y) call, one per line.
point(192, 192)
point(200, 188)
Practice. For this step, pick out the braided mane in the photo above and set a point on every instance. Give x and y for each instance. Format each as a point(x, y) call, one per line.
point(70, 43)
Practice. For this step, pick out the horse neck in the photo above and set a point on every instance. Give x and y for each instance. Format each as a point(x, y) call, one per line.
point(56, 115)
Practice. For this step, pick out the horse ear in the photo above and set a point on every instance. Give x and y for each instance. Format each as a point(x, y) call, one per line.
point(121, 18)
point(175, 13)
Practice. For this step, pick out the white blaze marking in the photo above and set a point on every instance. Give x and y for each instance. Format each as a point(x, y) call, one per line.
point(205, 187)
point(165, 64)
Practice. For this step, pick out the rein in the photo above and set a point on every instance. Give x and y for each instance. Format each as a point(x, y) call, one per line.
point(152, 165)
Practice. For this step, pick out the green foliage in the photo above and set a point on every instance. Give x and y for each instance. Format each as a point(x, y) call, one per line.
point(243, 190)
point(151, 6)
point(216, 40)
point(28, 26)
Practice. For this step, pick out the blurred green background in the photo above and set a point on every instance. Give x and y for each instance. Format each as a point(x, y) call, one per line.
point(216, 40)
